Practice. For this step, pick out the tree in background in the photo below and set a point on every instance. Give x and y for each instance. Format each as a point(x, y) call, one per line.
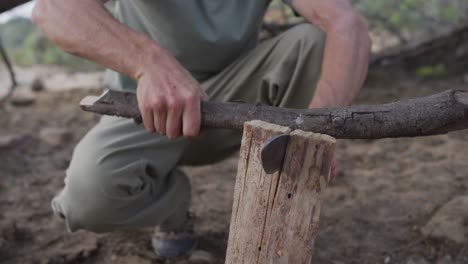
point(407, 21)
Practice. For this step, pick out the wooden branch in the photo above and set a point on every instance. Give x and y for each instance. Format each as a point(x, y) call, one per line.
point(275, 217)
point(437, 114)
point(6, 5)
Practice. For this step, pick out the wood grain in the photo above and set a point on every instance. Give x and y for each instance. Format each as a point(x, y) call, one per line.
point(275, 217)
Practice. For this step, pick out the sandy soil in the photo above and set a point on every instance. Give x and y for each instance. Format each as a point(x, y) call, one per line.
point(385, 192)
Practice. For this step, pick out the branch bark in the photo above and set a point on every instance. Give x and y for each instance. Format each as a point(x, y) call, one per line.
point(437, 114)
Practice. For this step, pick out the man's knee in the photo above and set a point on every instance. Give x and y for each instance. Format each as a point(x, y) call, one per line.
point(309, 36)
point(98, 190)
point(82, 203)
point(105, 194)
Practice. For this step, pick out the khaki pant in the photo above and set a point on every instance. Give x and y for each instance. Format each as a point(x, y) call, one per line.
point(122, 177)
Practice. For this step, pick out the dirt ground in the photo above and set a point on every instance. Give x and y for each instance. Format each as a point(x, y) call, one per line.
point(385, 192)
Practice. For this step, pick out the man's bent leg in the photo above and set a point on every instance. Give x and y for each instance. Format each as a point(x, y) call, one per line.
point(122, 177)
point(282, 71)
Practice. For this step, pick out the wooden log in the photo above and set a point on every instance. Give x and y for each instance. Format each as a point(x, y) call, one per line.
point(275, 216)
point(436, 114)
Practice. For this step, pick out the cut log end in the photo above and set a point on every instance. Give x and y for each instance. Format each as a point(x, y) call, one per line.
point(317, 136)
point(461, 97)
point(89, 101)
point(266, 126)
point(282, 129)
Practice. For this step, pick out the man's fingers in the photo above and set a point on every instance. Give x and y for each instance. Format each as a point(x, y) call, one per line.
point(174, 118)
point(160, 122)
point(191, 118)
point(148, 120)
point(160, 115)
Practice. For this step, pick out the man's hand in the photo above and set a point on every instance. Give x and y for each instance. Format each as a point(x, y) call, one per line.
point(169, 98)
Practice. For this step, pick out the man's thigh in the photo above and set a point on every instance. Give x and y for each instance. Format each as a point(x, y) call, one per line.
point(282, 71)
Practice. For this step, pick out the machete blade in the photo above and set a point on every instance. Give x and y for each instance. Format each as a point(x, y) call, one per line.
point(273, 152)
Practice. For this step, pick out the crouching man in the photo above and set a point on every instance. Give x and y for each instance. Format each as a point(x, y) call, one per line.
point(173, 54)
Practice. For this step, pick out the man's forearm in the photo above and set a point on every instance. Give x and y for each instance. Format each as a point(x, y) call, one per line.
point(86, 29)
point(168, 96)
point(347, 50)
point(344, 66)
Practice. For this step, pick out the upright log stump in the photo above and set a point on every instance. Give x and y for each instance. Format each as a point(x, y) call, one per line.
point(275, 216)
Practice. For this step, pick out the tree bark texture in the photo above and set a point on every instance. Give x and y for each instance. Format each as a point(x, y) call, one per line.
point(275, 217)
point(436, 114)
point(6, 5)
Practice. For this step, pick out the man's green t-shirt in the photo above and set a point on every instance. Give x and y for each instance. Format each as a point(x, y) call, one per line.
point(205, 36)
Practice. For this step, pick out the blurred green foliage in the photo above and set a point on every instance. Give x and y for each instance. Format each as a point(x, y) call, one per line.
point(407, 20)
point(14, 32)
point(432, 71)
point(403, 18)
point(28, 46)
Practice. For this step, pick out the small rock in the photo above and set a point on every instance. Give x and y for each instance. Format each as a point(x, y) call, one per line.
point(55, 136)
point(387, 260)
point(201, 257)
point(449, 222)
point(8, 141)
point(22, 97)
point(6, 248)
point(37, 85)
point(447, 259)
point(11, 232)
point(416, 260)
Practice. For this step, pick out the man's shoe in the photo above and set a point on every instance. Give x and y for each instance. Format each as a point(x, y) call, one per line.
point(172, 245)
point(174, 242)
